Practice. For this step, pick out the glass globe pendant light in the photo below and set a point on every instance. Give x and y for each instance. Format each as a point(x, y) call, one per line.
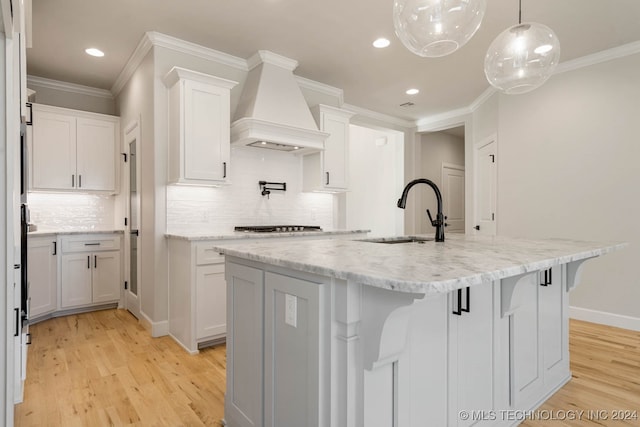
point(433, 28)
point(522, 57)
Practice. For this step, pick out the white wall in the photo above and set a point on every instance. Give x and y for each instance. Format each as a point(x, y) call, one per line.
point(435, 148)
point(192, 209)
point(568, 157)
point(376, 180)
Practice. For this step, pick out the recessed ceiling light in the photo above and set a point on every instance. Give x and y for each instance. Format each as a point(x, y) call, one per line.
point(94, 52)
point(412, 91)
point(381, 43)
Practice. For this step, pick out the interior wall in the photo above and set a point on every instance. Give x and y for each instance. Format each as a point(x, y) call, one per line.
point(568, 167)
point(135, 102)
point(69, 99)
point(436, 148)
point(376, 180)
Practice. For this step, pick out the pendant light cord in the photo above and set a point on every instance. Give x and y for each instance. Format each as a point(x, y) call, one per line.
point(519, 12)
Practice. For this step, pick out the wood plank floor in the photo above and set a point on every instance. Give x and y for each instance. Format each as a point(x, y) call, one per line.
point(103, 369)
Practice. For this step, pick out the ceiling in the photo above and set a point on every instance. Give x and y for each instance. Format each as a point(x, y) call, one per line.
point(331, 40)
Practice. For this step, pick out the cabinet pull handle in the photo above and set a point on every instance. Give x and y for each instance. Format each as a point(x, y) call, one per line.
point(28, 339)
point(55, 248)
point(458, 310)
point(92, 244)
point(95, 261)
point(30, 121)
point(88, 261)
point(547, 278)
point(224, 169)
point(468, 308)
point(73, 181)
point(327, 178)
point(17, 311)
point(79, 181)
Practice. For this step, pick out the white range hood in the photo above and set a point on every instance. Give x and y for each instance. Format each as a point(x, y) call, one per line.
point(272, 112)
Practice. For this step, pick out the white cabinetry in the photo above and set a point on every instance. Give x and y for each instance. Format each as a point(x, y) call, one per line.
point(538, 337)
point(198, 306)
point(90, 270)
point(471, 353)
point(42, 274)
point(73, 150)
point(199, 127)
point(328, 170)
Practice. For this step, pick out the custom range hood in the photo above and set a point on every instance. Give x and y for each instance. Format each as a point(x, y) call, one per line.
point(272, 113)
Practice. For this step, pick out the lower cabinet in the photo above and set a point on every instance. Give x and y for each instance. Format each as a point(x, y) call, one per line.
point(90, 270)
point(538, 337)
point(471, 350)
point(42, 262)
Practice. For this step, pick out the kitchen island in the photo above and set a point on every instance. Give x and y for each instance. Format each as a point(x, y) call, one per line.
point(470, 331)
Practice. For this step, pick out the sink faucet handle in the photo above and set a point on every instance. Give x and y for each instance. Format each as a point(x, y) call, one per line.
point(433, 223)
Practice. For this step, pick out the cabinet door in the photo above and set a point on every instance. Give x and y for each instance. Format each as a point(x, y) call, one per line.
point(553, 326)
point(41, 255)
point(206, 132)
point(53, 159)
point(336, 151)
point(96, 158)
point(211, 301)
point(471, 346)
point(75, 280)
point(106, 276)
point(526, 375)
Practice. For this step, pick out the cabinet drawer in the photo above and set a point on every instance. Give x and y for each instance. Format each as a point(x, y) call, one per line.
point(90, 243)
point(205, 254)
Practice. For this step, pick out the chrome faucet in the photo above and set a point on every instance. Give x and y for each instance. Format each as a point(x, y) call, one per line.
point(439, 221)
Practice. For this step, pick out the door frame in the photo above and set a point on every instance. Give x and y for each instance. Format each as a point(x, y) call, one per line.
point(131, 133)
point(492, 139)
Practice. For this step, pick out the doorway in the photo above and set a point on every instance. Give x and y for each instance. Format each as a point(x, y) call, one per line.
point(132, 256)
point(485, 156)
point(442, 160)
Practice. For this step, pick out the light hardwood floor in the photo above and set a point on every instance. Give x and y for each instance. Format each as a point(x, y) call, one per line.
point(103, 368)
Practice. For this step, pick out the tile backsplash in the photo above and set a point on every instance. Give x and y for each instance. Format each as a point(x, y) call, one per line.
point(204, 209)
point(69, 211)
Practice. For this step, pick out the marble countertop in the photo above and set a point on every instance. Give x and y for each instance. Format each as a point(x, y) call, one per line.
point(49, 232)
point(423, 268)
point(246, 235)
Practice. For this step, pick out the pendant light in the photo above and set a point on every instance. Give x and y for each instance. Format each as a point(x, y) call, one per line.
point(522, 57)
point(433, 28)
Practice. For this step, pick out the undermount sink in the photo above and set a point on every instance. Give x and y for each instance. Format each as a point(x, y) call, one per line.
point(399, 239)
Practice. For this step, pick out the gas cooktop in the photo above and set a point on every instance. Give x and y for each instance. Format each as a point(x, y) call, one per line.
point(277, 228)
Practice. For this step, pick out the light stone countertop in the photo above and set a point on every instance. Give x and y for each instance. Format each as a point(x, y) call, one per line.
point(47, 232)
point(235, 235)
point(422, 268)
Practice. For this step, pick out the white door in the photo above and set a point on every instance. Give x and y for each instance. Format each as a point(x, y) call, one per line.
point(76, 280)
point(42, 256)
point(54, 151)
point(211, 301)
point(453, 197)
point(132, 271)
point(335, 154)
point(486, 187)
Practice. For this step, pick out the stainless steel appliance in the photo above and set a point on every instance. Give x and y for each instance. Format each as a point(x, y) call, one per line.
point(277, 228)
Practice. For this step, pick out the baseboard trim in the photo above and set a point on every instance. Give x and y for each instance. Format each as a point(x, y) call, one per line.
point(604, 318)
point(156, 329)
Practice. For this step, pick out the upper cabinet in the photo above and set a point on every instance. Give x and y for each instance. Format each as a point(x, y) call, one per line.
point(73, 150)
point(329, 170)
point(199, 127)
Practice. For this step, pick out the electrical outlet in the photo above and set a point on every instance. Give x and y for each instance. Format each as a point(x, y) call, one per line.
point(291, 310)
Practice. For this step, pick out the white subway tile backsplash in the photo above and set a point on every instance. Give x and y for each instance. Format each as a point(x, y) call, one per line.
point(205, 209)
point(69, 211)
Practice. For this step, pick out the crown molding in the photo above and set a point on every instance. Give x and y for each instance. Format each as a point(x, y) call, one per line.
point(598, 57)
point(268, 57)
point(68, 87)
point(321, 87)
point(363, 112)
point(155, 39)
point(144, 46)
